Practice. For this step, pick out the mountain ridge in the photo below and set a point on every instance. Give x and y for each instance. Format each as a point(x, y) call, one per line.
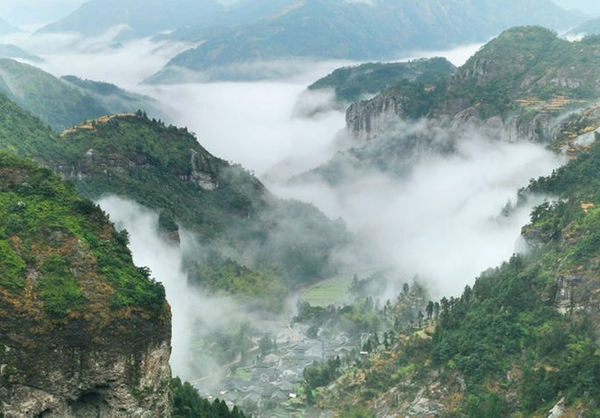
point(360, 31)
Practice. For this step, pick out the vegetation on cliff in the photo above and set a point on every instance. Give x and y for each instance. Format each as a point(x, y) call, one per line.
point(60, 251)
point(525, 71)
point(354, 83)
point(522, 339)
point(260, 245)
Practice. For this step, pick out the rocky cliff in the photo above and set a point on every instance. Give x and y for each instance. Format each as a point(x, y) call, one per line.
point(519, 83)
point(83, 332)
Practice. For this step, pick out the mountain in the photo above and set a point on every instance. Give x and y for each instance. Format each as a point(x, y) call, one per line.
point(351, 84)
point(113, 98)
point(6, 28)
point(259, 245)
point(83, 330)
point(523, 341)
point(589, 7)
point(524, 71)
point(139, 18)
point(515, 88)
point(589, 27)
point(63, 103)
point(13, 51)
point(339, 29)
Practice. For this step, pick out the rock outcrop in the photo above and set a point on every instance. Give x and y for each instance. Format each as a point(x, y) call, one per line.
point(518, 84)
point(83, 332)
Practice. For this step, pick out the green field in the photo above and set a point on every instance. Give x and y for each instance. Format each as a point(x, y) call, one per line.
point(329, 292)
point(336, 290)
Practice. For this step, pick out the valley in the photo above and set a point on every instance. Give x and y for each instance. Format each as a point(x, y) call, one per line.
point(298, 234)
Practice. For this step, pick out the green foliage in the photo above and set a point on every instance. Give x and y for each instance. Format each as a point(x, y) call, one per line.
point(12, 267)
point(266, 344)
point(518, 64)
point(321, 374)
point(508, 320)
point(262, 286)
point(187, 403)
point(279, 237)
point(60, 243)
point(285, 244)
point(353, 83)
point(525, 71)
point(166, 222)
point(24, 134)
point(63, 103)
point(53, 101)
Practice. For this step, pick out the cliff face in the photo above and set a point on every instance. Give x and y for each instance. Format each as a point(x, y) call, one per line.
point(83, 332)
point(72, 371)
point(518, 83)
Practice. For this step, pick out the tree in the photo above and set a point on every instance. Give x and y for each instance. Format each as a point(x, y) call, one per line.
point(429, 310)
point(405, 288)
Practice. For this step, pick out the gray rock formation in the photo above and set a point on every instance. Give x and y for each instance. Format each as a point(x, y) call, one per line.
point(70, 372)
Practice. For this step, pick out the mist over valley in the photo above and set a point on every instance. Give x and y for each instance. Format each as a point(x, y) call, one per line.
point(345, 224)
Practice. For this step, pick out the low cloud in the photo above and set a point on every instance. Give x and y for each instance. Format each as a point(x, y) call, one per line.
point(194, 314)
point(442, 222)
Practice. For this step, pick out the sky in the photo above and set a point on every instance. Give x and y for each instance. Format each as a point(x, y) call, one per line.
point(26, 13)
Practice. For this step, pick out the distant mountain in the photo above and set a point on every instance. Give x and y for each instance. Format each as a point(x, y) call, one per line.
point(6, 28)
point(340, 29)
point(589, 7)
point(114, 98)
point(13, 51)
point(141, 17)
point(590, 27)
point(63, 103)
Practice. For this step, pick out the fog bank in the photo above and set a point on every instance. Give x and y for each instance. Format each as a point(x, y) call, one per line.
point(443, 222)
point(194, 314)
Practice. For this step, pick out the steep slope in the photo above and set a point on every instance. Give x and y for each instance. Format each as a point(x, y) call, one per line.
point(523, 341)
point(63, 103)
point(250, 243)
point(338, 29)
point(164, 168)
point(525, 71)
point(140, 18)
point(23, 133)
point(518, 87)
point(84, 332)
